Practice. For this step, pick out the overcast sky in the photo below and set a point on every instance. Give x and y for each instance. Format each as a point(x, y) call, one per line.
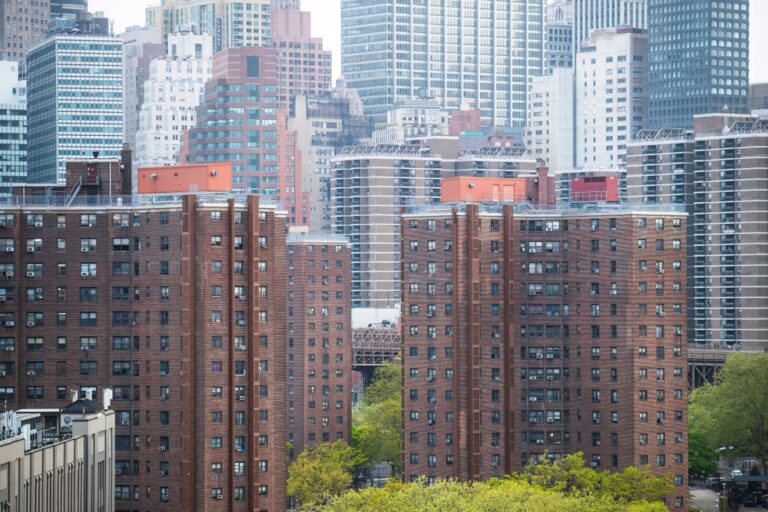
point(325, 23)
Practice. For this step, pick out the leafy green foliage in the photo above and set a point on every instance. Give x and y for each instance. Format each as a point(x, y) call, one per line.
point(377, 421)
point(509, 495)
point(703, 458)
point(570, 475)
point(566, 484)
point(734, 413)
point(385, 385)
point(323, 472)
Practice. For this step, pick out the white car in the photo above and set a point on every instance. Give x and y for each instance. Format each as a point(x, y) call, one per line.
point(736, 472)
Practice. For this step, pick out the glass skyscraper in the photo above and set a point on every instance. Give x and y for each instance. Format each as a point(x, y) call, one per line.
point(483, 54)
point(699, 59)
point(75, 102)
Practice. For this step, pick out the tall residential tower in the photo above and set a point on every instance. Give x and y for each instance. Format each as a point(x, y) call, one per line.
point(483, 54)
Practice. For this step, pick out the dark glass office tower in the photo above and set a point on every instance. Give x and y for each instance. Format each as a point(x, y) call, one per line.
point(67, 8)
point(699, 59)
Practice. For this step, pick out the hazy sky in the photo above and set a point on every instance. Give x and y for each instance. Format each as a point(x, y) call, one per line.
point(325, 23)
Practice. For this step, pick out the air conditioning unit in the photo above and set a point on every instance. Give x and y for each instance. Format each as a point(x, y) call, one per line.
point(241, 398)
point(539, 356)
point(9, 323)
point(550, 377)
point(136, 224)
point(550, 420)
point(31, 373)
point(163, 448)
point(30, 249)
point(124, 224)
point(241, 322)
point(38, 224)
point(2, 373)
point(218, 497)
point(30, 324)
point(84, 274)
point(61, 225)
point(163, 473)
point(9, 249)
point(550, 356)
point(30, 274)
point(433, 400)
point(497, 379)
point(241, 297)
point(594, 292)
point(614, 292)
point(532, 377)
point(430, 422)
point(432, 357)
point(533, 399)
point(85, 348)
point(91, 224)
point(597, 443)
point(494, 465)
point(593, 464)
point(118, 472)
point(163, 374)
point(84, 249)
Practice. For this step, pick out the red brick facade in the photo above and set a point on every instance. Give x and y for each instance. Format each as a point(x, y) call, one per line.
point(319, 340)
point(179, 308)
point(544, 331)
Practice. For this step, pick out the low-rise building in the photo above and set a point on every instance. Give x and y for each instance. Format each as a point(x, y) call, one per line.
point(58, 460)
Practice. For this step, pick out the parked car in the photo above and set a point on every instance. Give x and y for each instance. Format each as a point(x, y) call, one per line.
point(736, 472)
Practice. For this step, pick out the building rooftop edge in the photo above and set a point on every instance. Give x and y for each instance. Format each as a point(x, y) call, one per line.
point(525, 209)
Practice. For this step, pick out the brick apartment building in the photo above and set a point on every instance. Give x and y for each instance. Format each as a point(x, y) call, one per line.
point(305, 67)
point(178, 306)
point(239, 121)
point(530, 330)
point(319, 340)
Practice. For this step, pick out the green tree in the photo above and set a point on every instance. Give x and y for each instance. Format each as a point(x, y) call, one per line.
point(570, 475)
point(734, 413)
point(323, 472)
point(377, 421)
point(509, 495)
point(385, 385)
point(703, 457)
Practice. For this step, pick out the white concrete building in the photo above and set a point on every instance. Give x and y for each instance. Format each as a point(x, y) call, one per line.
point(549, 133)
point(13, 126)
point(611, 96)
point(231, 23)
point(140, 46)
point(589, 15)
point(175, 86)
point(58, 460)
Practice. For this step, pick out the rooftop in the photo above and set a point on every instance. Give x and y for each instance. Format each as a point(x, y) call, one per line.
point(663, 134)
point(119, 201)
point(559, 209)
